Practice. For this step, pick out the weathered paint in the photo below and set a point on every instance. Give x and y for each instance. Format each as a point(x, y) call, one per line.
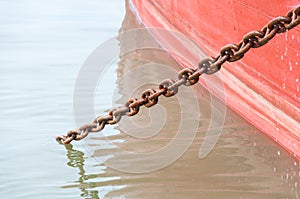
point(264, 86)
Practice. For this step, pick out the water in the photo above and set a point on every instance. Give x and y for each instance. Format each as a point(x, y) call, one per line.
point(43, 46)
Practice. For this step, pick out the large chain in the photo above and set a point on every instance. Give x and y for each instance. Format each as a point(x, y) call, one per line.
point(189, 76)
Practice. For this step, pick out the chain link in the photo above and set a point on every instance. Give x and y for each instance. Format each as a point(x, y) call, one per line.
point(189, 76)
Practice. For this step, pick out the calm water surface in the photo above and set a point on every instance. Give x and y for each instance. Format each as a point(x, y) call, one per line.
point(43, 45)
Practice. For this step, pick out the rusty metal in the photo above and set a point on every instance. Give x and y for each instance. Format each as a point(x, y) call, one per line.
point(189, 76)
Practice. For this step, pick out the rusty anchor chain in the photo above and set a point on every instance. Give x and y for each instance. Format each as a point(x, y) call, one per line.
point(189, 76)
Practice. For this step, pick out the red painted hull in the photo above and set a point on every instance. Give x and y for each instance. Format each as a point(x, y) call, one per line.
point(264, 86)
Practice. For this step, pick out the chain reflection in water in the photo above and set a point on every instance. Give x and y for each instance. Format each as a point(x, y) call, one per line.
point(76, 160)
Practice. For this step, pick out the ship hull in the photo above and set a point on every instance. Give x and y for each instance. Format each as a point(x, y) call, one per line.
point(264, 86)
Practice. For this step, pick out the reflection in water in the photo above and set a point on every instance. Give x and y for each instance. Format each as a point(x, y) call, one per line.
point(244, 163)
point(76, 160)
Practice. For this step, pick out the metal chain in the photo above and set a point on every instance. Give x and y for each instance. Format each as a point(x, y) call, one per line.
point(189, 76)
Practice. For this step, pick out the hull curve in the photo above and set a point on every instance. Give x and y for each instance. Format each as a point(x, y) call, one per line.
point(264, 86)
